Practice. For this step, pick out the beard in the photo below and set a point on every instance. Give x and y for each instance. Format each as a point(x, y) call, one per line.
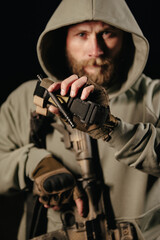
point(105, 73)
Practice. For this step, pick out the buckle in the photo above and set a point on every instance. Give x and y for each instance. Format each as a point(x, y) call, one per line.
point(88, 112)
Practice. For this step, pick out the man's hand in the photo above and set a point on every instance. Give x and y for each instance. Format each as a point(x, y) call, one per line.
point(56, 186)
point(94, 93)
point(72, 84)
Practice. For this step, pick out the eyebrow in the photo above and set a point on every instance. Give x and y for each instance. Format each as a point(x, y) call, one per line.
point(83, 28)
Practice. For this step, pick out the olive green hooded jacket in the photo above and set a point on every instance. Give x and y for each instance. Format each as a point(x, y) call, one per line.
point(130, 160)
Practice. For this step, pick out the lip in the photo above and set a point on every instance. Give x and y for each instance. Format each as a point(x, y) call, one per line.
point(91, 69)
point(93, 66)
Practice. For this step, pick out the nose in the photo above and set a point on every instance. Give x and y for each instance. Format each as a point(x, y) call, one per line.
point(95, 50)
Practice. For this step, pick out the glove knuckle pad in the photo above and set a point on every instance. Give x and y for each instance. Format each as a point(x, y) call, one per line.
point(58, 182)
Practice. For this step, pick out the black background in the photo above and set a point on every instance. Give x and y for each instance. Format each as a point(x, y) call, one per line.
point(23, 21)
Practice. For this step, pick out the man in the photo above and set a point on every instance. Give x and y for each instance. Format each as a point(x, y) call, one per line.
point(85, 46)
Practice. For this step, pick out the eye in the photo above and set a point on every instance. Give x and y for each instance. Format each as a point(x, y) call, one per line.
point(82, 35)
point(108, 34)
point(105, 33)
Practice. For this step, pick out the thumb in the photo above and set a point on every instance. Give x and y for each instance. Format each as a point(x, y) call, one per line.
point(81, 201)
point(80, 206)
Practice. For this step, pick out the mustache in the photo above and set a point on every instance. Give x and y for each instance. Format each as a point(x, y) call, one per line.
point(98, 62)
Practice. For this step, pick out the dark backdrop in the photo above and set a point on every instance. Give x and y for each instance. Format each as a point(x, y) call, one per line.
point(23, 21)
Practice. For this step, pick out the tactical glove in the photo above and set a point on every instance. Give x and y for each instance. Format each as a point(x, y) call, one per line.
point(101, 122)
point(54, 184)
point(93, 115)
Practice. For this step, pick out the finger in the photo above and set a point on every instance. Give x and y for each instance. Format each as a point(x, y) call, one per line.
point(46, 206)
point(86, 91)
point(77, 85)
point(56, 208)
point(43, 202)
point(53, 110)
point(80, 206)
point(54, 87)
point(65, 85)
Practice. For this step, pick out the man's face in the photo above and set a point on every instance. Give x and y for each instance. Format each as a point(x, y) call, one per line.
point(92, 49)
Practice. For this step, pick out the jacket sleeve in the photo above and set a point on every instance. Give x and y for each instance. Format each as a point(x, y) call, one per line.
point(137, 143)
point(138, 146)
point(18, 157)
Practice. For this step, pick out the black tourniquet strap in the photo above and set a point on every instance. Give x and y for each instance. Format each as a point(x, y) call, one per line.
point(88, 112)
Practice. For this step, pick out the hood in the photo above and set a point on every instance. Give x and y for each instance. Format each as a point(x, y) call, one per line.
point(50, 46)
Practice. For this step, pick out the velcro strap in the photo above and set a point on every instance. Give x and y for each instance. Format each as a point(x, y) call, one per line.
point(88, 112)
point(41, 95)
